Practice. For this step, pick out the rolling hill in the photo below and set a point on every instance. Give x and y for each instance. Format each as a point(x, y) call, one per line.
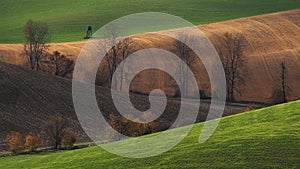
point(270, 39)
point(68, 19)
point(265, 138)
point(28, 99)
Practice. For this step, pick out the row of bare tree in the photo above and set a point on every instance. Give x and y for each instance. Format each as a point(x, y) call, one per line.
point(231, 55)
point(231, 52)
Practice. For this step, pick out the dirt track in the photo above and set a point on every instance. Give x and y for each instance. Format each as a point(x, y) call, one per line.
point(270, 39)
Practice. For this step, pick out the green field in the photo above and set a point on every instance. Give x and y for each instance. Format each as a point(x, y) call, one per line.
point(68, 18)
point(265, 138)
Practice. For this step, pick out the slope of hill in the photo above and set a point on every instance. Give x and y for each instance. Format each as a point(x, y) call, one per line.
point(265, 138)
point(28, 99)
point(270, 39)
point(68, 19)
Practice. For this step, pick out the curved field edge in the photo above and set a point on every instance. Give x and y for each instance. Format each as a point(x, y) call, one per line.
point(264, 138)
point(68, 19)
point(270, 39)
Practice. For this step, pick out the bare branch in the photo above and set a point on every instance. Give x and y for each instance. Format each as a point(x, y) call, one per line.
point(36, 37)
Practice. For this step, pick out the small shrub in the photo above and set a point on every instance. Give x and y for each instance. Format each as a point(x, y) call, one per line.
point(68, 139)
point(15, 142)
point(55, 129)
point(32, 142)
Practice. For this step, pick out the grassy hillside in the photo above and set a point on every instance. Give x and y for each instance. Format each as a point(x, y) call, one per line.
point(68, 18)
point(266, 138)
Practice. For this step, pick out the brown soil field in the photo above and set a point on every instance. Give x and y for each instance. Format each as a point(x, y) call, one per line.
point(270, 39)
point(28, 99)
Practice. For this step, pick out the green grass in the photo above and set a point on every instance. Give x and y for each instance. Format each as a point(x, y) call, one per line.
point(265, 138)
point(68, 18)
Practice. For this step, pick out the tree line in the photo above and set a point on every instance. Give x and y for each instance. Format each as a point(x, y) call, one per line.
point(231, 52)
point(55, 133)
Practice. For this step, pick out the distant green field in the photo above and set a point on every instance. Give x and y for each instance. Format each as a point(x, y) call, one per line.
point(265, 138)
point(68, 18)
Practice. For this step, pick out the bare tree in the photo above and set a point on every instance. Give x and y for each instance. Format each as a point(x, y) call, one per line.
point(36, 36)
point(125, 48)
point(233, 59)
point(184, 53)
point(112, 33)
point(117, 50)
point(283, 81)
point(280, 90)
point(62, 64)
point(55, 129)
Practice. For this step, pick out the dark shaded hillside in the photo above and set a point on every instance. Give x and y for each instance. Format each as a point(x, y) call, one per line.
point(28, 99)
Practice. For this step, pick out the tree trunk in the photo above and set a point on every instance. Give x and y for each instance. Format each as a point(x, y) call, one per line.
point(283, 82)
